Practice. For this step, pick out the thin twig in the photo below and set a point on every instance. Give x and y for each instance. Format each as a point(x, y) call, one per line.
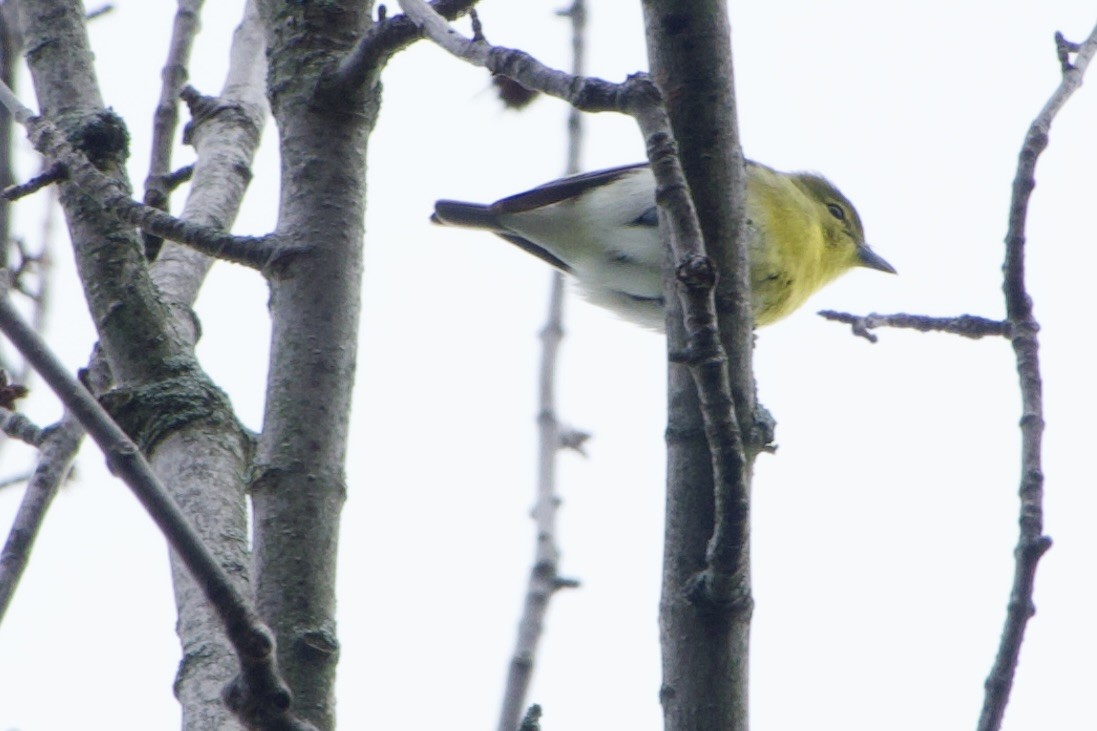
point(1031, 542)
point(99, 11)
point(59, 449)
point(259, 689)
point(968, 326)
point(53, 173)
point(258, 252)
point(695, 273)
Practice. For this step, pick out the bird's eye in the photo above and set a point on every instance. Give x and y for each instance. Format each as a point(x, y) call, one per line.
point(837, 211)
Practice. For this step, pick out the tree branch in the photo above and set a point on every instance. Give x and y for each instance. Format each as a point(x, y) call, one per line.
point(1031, 543)
point(166, 118)
point(258, 694)
point(544, 578)
point(259, 252)
point(381, 41)
point(59, 446)
point(968, 326)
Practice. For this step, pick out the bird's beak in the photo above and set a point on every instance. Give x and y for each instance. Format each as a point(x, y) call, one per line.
point(866, 257)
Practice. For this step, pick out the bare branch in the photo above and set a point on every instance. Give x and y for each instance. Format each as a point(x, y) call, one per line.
point(544, 579)
point(166, 118)
point(1031, 543)
point(59, 448)
point(968, 326)
point(258, 252)
point(584, 93)
point(384, 39)
point(258, 694)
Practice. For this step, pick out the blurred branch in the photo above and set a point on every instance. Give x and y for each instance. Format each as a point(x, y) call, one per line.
point(58, 450)
point(1031, 543)
point(99, 11)
point(10, 47)
point(544, 578)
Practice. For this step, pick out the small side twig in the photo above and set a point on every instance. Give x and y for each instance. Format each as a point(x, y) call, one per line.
point(259, 692)
point(177, 177)
point(1031, 542)
point(59, 449)
point(54, 173)
point(968, 326)
point(99, 11)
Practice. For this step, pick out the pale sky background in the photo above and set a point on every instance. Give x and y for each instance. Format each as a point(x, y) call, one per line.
point(884, 525)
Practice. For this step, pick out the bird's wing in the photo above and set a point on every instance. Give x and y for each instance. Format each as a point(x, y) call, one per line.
point(562, 189)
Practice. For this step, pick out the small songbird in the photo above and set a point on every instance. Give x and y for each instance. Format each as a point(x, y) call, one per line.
point(601, 227)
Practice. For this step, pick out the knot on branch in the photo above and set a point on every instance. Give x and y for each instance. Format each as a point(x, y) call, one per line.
point(639, 93)
point(1035, 548)
point(1064, 49)
point(763, 429)
point(204, 108)
point(697, 273)
point(102, 136)
point(151, 412)
point(260, 707)
point(719, 595)
point(9, 392)
point(532, 720)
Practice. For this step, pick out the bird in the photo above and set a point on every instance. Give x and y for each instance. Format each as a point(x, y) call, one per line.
point(601, 227)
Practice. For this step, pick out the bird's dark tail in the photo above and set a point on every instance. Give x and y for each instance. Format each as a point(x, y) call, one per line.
point(471, 215)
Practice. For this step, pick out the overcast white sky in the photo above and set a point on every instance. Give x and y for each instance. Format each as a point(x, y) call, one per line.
point(885, 523)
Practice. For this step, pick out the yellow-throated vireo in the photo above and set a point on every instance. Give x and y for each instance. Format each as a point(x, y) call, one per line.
point(601, 227)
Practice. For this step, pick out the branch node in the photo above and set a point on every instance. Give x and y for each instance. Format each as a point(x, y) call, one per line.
point(1063, 50)
point(532, 720)
point(573, 439)
point(561, 582)
point(718, 594)
point(477, 27)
